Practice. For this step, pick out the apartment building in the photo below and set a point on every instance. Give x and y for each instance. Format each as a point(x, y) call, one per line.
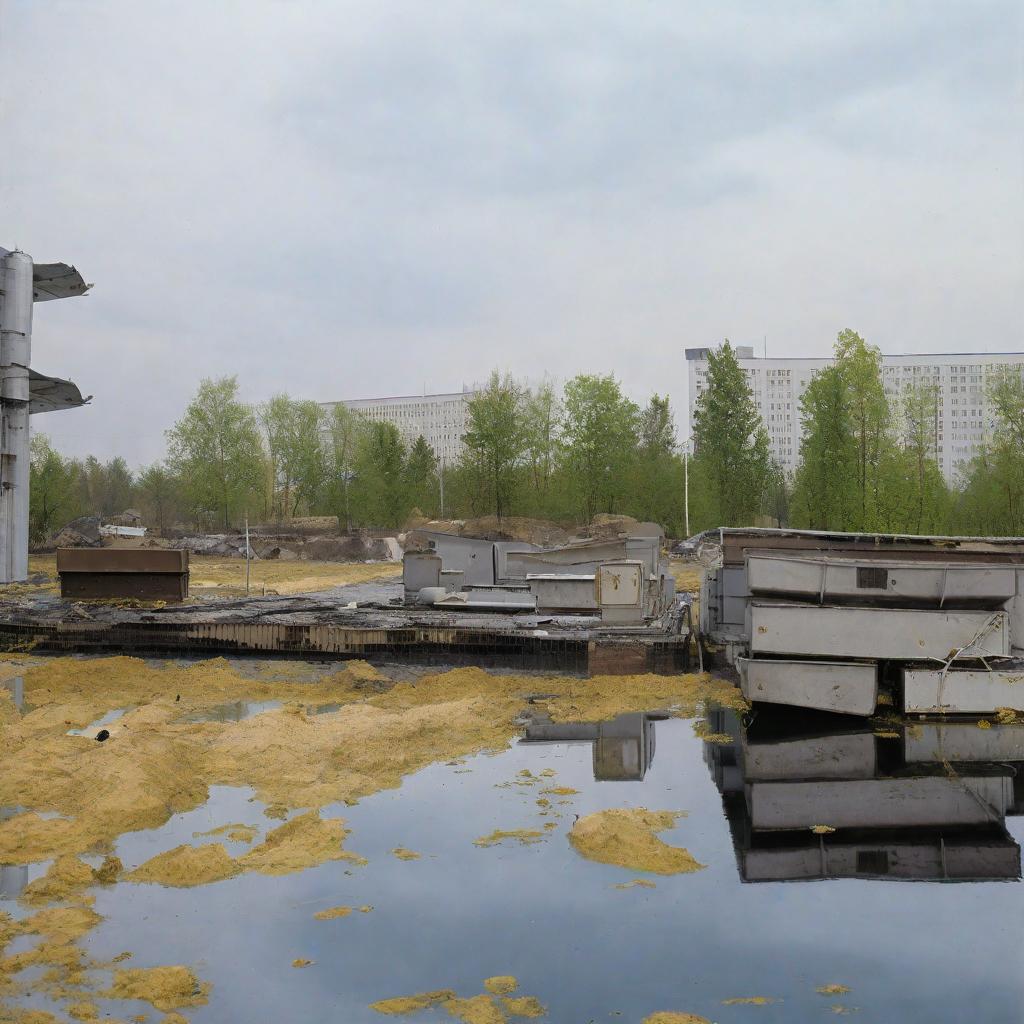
point(963, 417)
point(441, 419)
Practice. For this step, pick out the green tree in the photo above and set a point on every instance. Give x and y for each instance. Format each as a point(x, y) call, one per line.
point(380, 492)
point(599, 442)
point(731, 447)
point(541, 412)
point(421, 477)
point(825, 490)
point(215, 449)
point(53, 493)
point(159, 494)
point(860, 365)
point(496, 439)
point(657, 427)
point(344, 430)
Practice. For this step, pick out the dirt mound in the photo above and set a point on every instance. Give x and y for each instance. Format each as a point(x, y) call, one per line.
point(83, 532)
point(541, 532)
point(605, 526)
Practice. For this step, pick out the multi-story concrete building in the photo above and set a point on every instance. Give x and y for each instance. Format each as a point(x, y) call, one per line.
point(963, 417)
point(441, 419)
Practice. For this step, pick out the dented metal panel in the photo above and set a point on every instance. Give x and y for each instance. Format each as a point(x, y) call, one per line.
point(845, 687)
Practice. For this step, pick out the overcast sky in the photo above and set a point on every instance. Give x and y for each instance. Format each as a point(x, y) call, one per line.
point(345, 200)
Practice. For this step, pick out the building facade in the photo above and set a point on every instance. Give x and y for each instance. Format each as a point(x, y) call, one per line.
point(963, 416)
point(441, 419)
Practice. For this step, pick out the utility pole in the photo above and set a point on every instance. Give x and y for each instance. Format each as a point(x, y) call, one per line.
point(247, 555)
point(440, 479)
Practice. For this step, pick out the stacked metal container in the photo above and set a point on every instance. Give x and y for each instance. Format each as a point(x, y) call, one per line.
point(821, 613)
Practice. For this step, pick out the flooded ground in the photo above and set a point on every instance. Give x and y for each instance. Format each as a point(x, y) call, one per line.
point(302, 842)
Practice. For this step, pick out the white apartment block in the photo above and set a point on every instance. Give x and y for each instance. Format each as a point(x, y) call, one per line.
point(963, 418)
point(441, 419)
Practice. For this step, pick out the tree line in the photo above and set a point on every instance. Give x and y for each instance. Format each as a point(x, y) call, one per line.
point(866, 463)
point(539, 451)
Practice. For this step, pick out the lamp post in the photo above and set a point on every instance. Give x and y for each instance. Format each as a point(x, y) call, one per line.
point(686, 485)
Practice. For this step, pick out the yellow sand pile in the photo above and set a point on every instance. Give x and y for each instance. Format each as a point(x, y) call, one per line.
point(496, 1005)
point(672, 1017)
point(167, 988)
point(626, 838)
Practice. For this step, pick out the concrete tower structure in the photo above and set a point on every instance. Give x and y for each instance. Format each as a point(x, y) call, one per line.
point(23, 392)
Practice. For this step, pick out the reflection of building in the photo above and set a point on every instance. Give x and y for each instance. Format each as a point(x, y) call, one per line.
point(13, 877)
point(623, 748)
point(916, 802)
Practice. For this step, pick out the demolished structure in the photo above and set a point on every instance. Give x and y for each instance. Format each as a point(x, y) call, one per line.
point(623, 581)
point(821, 620)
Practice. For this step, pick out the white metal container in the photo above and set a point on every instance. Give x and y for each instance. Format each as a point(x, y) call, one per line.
point(844, 631)
point(845, 687)
point(962, 691)
point(839, 579)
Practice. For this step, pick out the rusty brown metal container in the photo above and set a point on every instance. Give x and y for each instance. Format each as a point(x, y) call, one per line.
point(149, 574)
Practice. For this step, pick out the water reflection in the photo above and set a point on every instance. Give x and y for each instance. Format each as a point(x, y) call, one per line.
point(231, 711)
point(623, 747)
point(16, 688)
point(806, 799)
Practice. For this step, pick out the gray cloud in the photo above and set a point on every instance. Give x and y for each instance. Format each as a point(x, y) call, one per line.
point(341, 200)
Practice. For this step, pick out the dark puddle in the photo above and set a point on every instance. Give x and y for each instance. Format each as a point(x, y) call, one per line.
point(932, 804)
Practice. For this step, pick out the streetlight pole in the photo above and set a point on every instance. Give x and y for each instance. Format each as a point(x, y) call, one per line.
point(686, 485)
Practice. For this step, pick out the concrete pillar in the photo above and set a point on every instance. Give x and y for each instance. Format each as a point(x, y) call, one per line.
point(15, 355)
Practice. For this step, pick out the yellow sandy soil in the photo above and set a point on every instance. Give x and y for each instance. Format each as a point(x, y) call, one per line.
point(209, 573)
point(687, 575)
point(748, 1001)
point(671, 1017)
point(496, 1005)
point(626, 838)
point(294, 577)
point(155, 765)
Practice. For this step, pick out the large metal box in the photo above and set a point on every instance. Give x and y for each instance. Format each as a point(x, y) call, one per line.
point(148, 574)
point(563, 592)
point(619, 589)
point(845, 687)
point(420, 569)
point(870, 580)
point(906, 634)
point(962, 691)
